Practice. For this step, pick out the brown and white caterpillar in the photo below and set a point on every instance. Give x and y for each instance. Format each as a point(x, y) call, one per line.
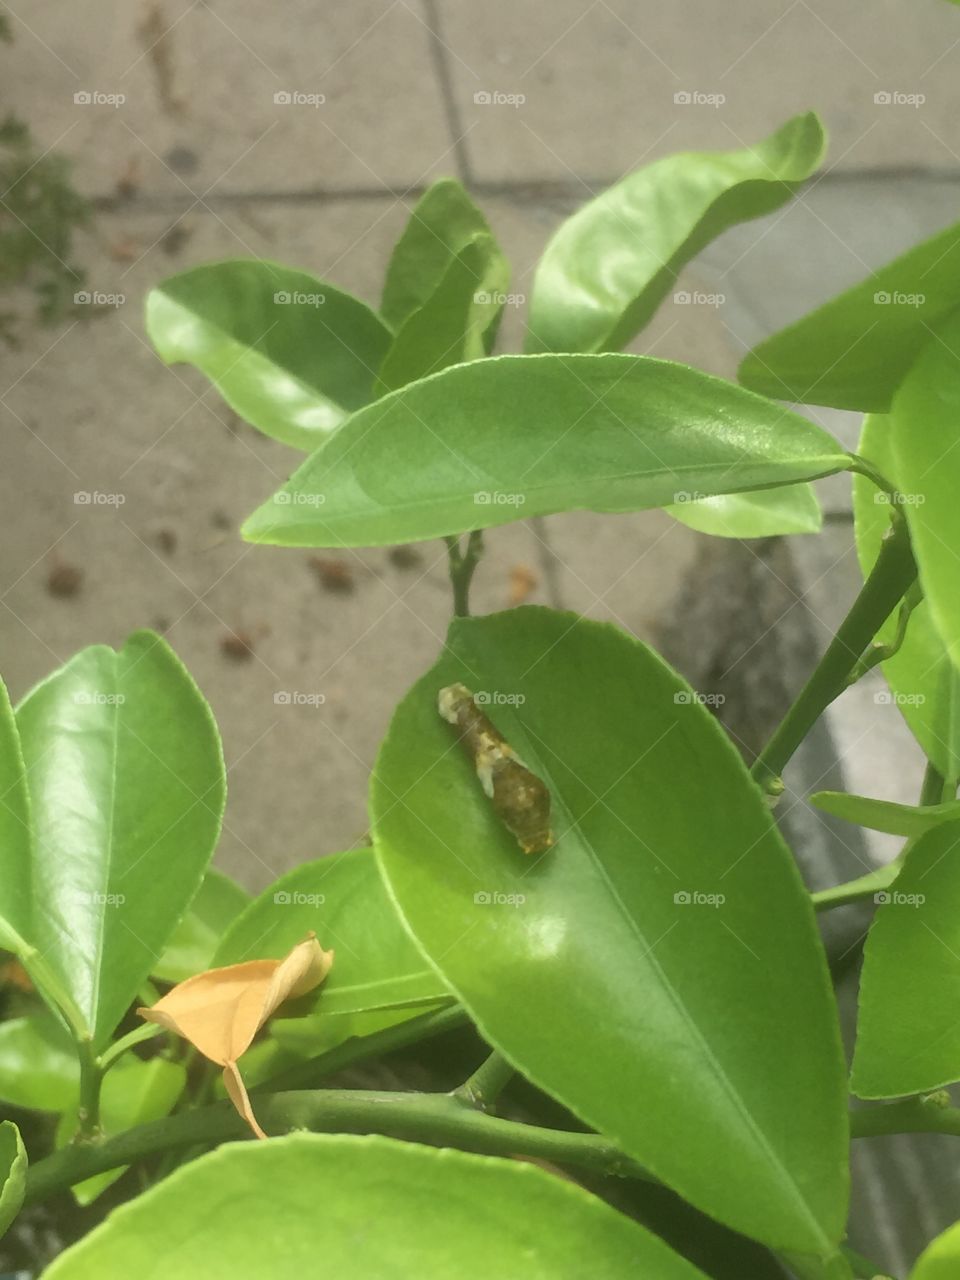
point(520, 799)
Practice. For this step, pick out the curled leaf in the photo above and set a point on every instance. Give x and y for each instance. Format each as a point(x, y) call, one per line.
point(221, 1011)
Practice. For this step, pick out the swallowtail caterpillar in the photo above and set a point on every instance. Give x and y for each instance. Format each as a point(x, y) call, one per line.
point(520, 799)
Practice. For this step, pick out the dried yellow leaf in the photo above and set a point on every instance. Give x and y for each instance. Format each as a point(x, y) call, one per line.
point(221, 1011)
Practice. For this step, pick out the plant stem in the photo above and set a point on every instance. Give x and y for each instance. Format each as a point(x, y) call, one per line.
point(119, 1047)
point(933, 787)
point(91, 1078)
point(889, 579)
point(361, 1048)
point(486, 1084)
point(416, 1117)
point(862, 1268)
point(929, 1114)
point(462, 566)
point(839, 895)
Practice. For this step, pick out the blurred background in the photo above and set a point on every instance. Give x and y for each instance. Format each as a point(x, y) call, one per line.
point(305, 133)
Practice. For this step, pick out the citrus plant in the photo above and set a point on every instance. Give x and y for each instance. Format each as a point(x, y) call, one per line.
point(568, 856)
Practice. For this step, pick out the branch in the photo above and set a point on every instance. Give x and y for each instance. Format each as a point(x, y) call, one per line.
point(462, 566)
point(437, 1118)
point(889, 580)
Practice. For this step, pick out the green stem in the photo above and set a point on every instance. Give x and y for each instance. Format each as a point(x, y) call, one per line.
point(362, 1048)
point(119, 1047)
point(462, 566)
point(862, 1268)
point(486, 1084)
point(933, 787)
point(929, 1114)
point(889, 579)
point(839, 895)
point(91, 1078)
point(416, 1117)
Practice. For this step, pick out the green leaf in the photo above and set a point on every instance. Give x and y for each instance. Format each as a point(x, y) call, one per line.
point(342, 899)
point(793, 508)
point(924, 683)
point(884, 815)
point(448, 328)
point(134, 1093)
point(370, 1208)
point(289, 353)
point(715, 1060)
point(15, 844)
point(908, 1038)
point(13, 1175)
point(854, 352)
point(38, 1063)
point(485, 443)
point(127, 789)
point(941, 1258)
point(443, 223)
point(608, 268)
point(191, 949)
point(927, 466)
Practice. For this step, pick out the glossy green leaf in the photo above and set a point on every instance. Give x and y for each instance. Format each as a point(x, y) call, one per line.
point(15, 841)
point(924, 683)
point(127, 788)
point(191, 949)
point(854, 351)
point(38, 1063)
point(448, 328)
point(342, 899)
point(926, 434)
point(444, 221)
point(941, 1259)
point(908, 1037)
point(517, 436)
point(370, 1209)
point(289, 353)
point(13, 1174)
point(884, 815)
point(608, 268)
point(669, 904)
point(766, 513)
point(134, 1092)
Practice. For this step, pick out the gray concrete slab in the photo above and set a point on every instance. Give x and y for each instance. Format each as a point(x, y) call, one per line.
point(599, 81)
point(226, 98)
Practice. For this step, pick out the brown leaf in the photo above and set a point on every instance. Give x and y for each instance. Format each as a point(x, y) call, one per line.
point(221, 1011)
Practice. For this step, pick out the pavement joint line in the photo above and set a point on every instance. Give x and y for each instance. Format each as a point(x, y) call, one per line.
point(522, 189)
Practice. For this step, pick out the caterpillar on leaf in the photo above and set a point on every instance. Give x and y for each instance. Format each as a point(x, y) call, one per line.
point(520, 799)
